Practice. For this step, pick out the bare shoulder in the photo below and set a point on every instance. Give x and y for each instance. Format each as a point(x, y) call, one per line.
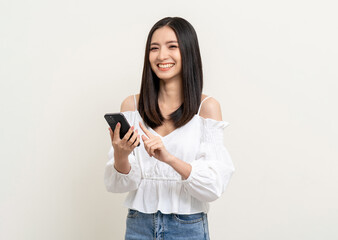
point(211, 108)
point(128, 104)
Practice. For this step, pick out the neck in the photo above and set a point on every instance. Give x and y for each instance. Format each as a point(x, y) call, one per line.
point(170, 94)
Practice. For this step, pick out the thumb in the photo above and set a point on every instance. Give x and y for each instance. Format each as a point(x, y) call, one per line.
point(117, 131)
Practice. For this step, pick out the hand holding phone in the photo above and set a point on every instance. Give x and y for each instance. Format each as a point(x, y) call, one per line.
point(113, 118)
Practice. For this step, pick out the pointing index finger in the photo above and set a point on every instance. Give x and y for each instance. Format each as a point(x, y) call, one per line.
point(145, 130)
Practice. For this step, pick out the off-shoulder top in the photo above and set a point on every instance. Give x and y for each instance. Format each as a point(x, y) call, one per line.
point(154, 185)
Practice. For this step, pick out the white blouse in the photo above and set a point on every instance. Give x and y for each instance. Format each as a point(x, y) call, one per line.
point(154, 185)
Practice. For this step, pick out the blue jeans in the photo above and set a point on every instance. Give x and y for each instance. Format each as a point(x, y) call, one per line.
point(158, 226)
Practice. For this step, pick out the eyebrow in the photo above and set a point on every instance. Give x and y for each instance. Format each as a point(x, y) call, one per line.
point(155, 43)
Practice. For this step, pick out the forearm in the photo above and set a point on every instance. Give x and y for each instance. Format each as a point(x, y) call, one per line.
point(122, 174)
point(121, 164)
point(181, 167)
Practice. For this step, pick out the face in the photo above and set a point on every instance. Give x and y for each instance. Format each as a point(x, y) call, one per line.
point(164, 55)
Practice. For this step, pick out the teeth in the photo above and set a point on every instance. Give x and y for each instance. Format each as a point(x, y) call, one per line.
point(166, 65)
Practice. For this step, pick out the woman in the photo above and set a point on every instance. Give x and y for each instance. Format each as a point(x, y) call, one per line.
point(181, 164)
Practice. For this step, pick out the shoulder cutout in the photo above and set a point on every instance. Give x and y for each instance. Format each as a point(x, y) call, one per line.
point(128, 104)
point(211, 109)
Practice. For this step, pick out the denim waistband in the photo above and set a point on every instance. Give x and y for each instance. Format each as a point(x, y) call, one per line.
point(159, 226)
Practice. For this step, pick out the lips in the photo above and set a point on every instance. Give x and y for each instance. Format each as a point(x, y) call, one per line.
point(165, 66)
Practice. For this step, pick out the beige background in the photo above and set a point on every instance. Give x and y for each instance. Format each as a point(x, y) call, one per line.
point(271, 64)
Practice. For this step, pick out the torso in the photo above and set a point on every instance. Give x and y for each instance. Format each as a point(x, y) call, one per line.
point(168, 126)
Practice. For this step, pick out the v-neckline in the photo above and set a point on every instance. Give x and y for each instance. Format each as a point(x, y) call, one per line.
point(171, 133)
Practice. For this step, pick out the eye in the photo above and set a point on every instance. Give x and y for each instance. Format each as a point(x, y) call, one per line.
point(173, 46)
point(154, 48)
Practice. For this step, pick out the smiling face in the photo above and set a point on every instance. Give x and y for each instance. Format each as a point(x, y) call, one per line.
point(164, 54)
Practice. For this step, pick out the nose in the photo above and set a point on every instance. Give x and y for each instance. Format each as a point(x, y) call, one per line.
point(162, 54)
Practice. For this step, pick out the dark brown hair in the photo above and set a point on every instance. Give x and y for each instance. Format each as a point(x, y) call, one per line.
point(192, 76)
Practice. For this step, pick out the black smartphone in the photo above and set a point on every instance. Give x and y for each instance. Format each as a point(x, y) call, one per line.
point(113, 118)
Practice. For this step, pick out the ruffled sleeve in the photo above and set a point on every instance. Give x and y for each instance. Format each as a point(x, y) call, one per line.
point(118, 182)
point(213, 167)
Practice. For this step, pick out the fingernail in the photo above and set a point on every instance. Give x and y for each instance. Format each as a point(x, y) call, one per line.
point(132, 127)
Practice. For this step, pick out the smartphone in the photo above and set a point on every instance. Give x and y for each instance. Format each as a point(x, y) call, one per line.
point(113, 118)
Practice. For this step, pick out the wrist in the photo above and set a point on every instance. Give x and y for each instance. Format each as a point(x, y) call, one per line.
point(121, 164)
point(120, 157)
point(170, 159)
point(180, 166)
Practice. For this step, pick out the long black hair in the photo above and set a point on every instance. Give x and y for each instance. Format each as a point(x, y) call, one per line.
point(192, 76)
